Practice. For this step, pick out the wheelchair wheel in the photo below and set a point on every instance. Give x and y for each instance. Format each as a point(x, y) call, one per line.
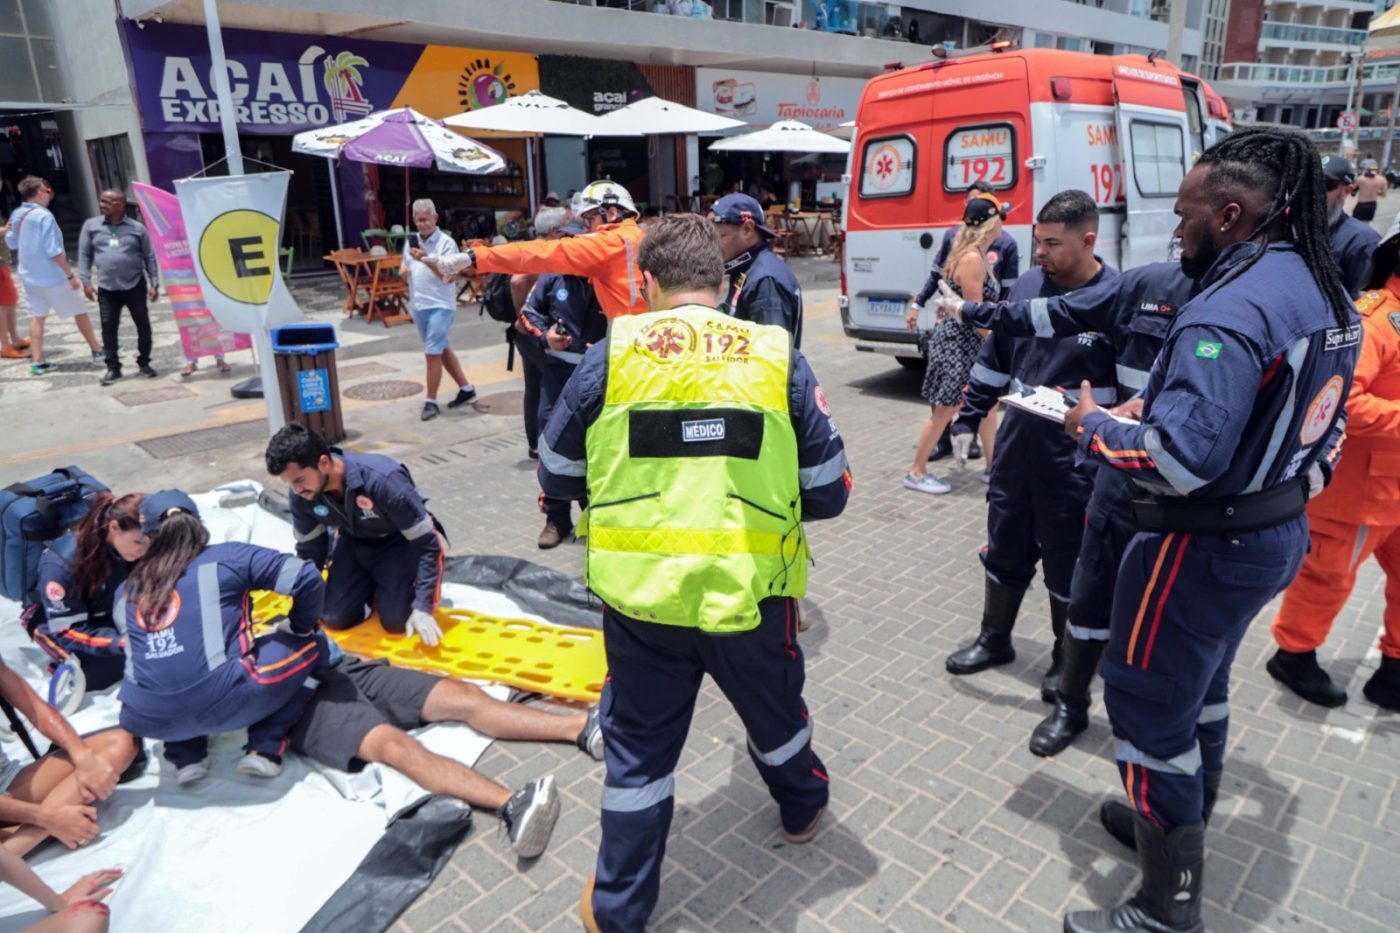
point(68, 686)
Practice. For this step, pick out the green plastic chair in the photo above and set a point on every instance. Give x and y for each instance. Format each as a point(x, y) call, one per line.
point(367, 235)
point(286, 254)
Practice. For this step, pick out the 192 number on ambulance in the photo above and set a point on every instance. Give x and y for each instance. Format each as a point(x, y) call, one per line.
point(1108, 183)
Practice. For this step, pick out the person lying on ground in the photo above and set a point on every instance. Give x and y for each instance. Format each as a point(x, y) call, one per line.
point(360, 713)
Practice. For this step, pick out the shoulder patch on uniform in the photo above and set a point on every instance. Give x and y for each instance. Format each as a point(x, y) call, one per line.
point(1369, 300)
point(320, 510)
point(55, 592)
point(1395, 321)
point(1208, 349)
point(1321, 411)
point(820, 398)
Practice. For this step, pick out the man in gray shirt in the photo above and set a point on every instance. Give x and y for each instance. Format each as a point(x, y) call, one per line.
point(126, 262)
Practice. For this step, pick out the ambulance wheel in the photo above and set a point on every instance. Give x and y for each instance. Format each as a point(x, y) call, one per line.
point(915, 363)
point(68, 686)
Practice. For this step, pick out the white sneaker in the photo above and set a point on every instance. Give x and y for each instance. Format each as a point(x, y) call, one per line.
point(986, 477)
point(927, 483)
point(191, 773)
point(258, 766)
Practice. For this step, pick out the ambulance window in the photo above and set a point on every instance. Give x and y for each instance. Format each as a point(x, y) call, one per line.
point(887, 167)
point(986, 152)
point(1195, 124)
point(1159, 158)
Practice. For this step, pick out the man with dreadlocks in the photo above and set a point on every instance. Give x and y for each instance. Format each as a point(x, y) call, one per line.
point(1240, 405)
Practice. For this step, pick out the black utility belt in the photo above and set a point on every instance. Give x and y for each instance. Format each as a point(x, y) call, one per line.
point(1224, 515)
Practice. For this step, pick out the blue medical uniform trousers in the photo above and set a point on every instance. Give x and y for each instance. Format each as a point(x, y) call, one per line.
point(654, 674)
point(1182, 604)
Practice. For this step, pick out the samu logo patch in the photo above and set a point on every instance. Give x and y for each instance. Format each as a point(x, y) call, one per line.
point(710, 429)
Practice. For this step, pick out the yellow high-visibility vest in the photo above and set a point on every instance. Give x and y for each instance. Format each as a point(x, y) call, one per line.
point(695, 511)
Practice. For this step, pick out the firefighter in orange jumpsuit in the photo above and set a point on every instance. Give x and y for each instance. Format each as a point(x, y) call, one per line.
point(606, 255)
point(1358, 514)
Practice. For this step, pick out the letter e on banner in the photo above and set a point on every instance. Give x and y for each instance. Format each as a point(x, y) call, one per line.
point(239, 254)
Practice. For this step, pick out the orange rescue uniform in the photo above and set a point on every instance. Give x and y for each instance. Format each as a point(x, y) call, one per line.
point(607, 258)
point(1358, 514)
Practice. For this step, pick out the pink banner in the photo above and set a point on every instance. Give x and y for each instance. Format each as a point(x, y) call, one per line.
point(200, 334)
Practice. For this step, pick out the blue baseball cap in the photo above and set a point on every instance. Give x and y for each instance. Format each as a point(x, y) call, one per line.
point(737, 208)
point(160, 504)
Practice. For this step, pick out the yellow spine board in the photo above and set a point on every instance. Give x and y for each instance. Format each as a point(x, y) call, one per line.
point(562, 662)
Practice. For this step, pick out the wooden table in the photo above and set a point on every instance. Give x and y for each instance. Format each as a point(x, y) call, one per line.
point(805, 230)
point(372, 274)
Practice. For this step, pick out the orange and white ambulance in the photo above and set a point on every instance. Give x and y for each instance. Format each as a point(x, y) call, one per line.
point(1031, 123)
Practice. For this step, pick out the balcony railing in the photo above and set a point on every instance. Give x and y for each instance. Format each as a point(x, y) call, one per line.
point(1313, 35)
point(1300, 74)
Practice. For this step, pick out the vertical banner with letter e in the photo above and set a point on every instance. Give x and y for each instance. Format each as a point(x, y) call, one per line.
point(234, 226)
point(200, 334)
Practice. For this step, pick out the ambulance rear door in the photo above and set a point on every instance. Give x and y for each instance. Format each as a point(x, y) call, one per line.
point(1154, 138)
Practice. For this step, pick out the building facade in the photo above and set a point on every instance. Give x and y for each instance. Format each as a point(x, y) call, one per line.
point(117, 90)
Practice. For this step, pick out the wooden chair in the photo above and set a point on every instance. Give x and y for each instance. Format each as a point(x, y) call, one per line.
point(388, 293)
point(473, 286)
point(346, 262)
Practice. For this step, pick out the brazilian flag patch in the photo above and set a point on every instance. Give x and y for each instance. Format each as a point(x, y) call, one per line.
point(1207, 350)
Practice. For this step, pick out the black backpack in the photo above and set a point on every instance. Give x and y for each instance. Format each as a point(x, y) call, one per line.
point(496, 298)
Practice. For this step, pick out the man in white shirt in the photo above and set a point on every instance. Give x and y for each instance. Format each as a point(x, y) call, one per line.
point(50, 283)
point(434, 305)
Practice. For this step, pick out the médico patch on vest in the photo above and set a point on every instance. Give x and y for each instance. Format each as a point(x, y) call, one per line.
point(709, 429)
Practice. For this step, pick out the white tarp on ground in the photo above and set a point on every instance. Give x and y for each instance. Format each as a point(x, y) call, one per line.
point(232, 853)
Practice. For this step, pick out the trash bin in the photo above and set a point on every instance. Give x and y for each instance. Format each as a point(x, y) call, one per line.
point(305, 360)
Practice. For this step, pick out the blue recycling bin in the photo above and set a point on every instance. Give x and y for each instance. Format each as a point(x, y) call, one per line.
point(305, 361)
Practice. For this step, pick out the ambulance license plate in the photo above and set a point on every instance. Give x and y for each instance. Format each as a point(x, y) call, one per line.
point(887, 306)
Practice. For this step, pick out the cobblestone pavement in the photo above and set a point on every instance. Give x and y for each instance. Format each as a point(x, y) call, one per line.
point(940, 818)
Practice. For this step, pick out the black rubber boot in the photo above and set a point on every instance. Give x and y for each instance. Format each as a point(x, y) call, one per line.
point(1051, 681)
point(1071, 714)
point(1117, 817)
point(1300, 672)
point(1169, 900)
point(1383, 689)
point(993, 644)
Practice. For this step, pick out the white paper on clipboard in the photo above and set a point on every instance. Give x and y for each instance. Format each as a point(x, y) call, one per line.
point(1049, 403)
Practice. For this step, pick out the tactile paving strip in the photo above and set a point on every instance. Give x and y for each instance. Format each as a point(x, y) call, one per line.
point(562, 662)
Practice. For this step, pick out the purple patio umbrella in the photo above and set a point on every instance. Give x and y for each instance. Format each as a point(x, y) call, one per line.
point(401, 138)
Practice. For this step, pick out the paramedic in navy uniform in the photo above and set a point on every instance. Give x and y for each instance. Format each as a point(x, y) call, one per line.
point(1353, 241)
point(1133, 312)
point(762, 288)
point(386, 549)
point(1240, 406)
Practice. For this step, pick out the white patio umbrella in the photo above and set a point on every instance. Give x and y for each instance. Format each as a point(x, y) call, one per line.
point(1384, 32)
point(533, 113)
point(843, 130)
point(400, 138)
point(655, 116)
point(783, 136)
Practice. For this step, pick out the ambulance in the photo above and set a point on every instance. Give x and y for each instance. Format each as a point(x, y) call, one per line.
point(1031, 123)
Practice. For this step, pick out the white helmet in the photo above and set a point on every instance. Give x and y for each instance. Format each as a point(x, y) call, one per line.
point(601, 194)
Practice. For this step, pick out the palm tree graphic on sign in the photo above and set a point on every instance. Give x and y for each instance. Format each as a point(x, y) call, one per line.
point(343, 82)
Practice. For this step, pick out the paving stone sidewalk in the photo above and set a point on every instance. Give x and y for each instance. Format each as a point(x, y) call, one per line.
point(940, 818)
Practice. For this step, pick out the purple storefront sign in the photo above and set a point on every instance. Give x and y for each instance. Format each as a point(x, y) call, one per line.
point(281, 83)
